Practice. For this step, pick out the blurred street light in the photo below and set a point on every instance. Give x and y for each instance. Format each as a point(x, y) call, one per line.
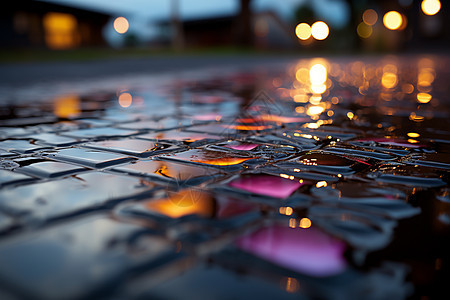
point(320, 30)
point(121, 25)
point(431, 7)
point(303, 31)
point(392, 20)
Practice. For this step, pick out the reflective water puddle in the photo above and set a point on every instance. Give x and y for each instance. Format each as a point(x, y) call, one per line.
point(290, 181)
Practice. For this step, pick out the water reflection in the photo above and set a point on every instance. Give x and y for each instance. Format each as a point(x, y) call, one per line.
point(346, 150)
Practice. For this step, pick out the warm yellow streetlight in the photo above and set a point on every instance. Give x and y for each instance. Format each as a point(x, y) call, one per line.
point(303, 31)
point(320, 30)
point(121, 25)
point(431, 7)
point(393, 20)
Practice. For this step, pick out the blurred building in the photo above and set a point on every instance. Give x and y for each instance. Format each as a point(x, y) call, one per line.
point(27, 23)
point(268, 31)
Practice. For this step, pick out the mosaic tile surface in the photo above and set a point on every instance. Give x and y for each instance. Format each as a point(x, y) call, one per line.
point(282, 184)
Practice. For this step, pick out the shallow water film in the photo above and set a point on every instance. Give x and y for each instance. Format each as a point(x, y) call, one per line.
point(318, 179)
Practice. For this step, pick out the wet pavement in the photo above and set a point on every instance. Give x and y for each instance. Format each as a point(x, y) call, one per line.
point(313, 179)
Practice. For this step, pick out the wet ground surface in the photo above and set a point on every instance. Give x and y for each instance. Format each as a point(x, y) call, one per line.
point(318, 179)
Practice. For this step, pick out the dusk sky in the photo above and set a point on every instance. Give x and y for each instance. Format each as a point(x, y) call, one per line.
point(142, 12)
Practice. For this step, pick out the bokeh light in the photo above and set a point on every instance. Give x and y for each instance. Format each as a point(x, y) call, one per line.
point(125, 99)
point(423, 97)
point(303, 31)
point(121, 25)
point(389, 80)
point(364, 30)
point(392, 20)
point(370, 17)
point(318, 74)
point(320, 30)
point(431, 7)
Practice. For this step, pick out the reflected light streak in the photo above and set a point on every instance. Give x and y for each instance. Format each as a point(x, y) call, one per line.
point(431, 7)
point(318, 74)
point(320, 30)
point(186, 202)
point(303, 31)
point(423, 97)
point(226, 161)
point(314, 110)
point(392, 20)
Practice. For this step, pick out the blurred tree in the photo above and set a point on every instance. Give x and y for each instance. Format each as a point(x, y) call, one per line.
point(131, 40)
point(244, 35)
point(304, 13)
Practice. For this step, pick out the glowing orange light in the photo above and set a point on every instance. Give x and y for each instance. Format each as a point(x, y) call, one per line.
point(413, 134)
point(320, 30)
point(66, 106)
point(60, 30)
point(321, 184)
point(303, 31)
point(125, 99)
point(370, 17)
point(423, 97)
point(392, 20)
point(305, 223)
point(314, 110)
point(121, 25)
point(431, 7)
point(389, 80)
point(226, 161)
point(186, 202)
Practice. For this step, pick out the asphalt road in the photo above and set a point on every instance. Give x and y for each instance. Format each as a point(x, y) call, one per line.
point(39, 79)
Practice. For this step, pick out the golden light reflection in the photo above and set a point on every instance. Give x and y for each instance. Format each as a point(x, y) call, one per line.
point(364, 30)
point(431, 7)
point(291, 285)
point(350, 115)
point(423, 97)
point(185, 202)
point(67, 106)
point(226, 161)
point(389, 80)
point(314, 110)
point(318, 74)
point(392, 20)
point(60, 31)
point(303, 31)
point(302, 75)
point(125, 99)
point(286, 211)
point(320, 30)
point(121, 25)
point(305, 223)
point(413, 134)
point(370, 17)
point(321, 184)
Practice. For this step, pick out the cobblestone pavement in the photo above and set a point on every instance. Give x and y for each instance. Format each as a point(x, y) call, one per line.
point(321, 180)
